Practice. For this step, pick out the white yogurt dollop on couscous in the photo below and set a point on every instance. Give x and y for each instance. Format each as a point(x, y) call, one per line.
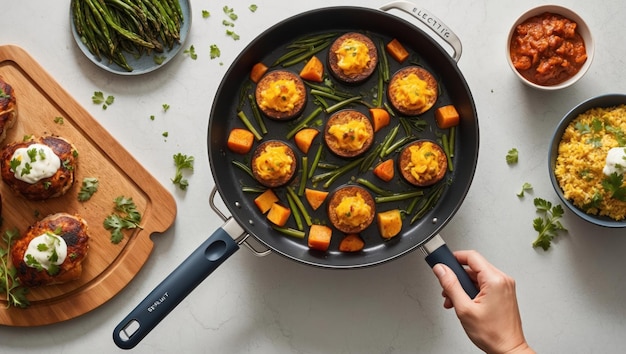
point(615, 161)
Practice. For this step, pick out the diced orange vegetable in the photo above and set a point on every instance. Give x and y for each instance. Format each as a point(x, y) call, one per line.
point(389, 223)
point(278, 214)
point(304, 138)
point(351, 243)
point(313, 70)
point(240, 140)
point(447, 117)
point(397, 51)
point(385, 170)
point(380, 117)
point(258, 70)
point(319, 237)
point(265, 200)
point(315, 197)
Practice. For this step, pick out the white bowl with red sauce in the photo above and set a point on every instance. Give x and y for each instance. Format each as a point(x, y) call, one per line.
point(552, 75)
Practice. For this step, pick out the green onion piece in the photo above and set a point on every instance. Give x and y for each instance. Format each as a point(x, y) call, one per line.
point(295, 212)
point(249, 125)
point(305, 172)
point(316, 161)
point(296, 199)
point(289, 231)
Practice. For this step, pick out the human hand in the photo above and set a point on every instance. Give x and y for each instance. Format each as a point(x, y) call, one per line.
point(491, 320)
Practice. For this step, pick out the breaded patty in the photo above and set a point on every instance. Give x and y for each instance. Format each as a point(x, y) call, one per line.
point(348, 133)
point(281, 95)
point(423, 163)
point(352, 58)
point(59, 182)
point(8, 108)
point(351, 209)
point(273, 163)
point(72, 229)
point(412, 90)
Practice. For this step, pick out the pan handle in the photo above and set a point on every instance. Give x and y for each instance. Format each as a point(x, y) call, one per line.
point(437, 251)
point(173, 289)
point(432, 22)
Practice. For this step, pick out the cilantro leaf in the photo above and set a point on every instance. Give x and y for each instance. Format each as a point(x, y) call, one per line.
point(128, 217)
point(88, 188)
point(215, 51)
point(547, 225)
point(525, 187)
point(182, 162)
point(192, 52)
point(206, 14)
point(512, 156)
point(614, 185)
point(253, 8)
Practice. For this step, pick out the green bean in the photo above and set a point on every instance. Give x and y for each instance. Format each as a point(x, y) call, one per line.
point(249, 125)
point(307, 54)
point(296, 199)
point(376, 189)
point(398, 196)
point(295, 212)
point(305, 172)
point(304, 122)
point(316, 161)
point(257, 114)
point(289, 231)
point(244, 168)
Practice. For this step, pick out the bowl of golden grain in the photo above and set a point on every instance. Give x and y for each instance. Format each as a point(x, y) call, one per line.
point(549, 47)
point(587, 160)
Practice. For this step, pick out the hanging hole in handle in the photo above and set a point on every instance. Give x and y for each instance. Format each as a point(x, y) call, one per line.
point(431, 22)
point(128, 331)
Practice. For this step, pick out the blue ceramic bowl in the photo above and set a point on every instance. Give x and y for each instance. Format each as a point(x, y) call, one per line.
point(602, 101)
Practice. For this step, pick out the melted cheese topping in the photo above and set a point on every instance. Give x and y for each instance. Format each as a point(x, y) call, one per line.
point(413, 91)
point(350, 136)
point(424, 162)
point(273, 163)
point(352, 56)
point(34, 163)
point(353, 210)
point(45, 251)
point(281, 95)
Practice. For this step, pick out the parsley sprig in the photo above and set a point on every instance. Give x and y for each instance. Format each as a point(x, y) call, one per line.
point(512, 156)
point(547, 225)
point(182, 162)
point(10, 286)
point(126, 217)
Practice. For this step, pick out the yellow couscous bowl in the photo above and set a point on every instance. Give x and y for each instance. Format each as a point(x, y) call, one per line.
point(587, 160)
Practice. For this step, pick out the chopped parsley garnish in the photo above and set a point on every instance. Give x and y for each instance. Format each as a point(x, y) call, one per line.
point(192, 52)
point(253, 8)
point(232, 34)
point(525, 187)
point(98, 98)
point(126, 217)
point(59, 120)
point(206, 14)
point(228, 23)
point(230, 12)
point(182, 162)
point(512, 156)
point(165, 107)
point(547, 225)
point(4, 94)
point(215, 51)
point(159, 59)
point(88, 188)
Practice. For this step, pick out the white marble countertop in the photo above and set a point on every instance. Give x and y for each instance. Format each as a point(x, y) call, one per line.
point(571, 297)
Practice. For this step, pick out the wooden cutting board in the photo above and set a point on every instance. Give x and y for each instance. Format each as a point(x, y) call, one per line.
point(108, 267)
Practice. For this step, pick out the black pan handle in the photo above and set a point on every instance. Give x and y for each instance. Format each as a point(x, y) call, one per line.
point(438, 252)
point(173, 289)
point(432, 22)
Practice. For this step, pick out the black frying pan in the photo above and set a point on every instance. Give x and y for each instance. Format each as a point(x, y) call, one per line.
point(247, 221)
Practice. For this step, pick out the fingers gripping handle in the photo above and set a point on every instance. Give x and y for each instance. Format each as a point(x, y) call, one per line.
point(167, 295)
point(438, 252)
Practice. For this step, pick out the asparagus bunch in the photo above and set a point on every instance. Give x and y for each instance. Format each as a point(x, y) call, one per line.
point(111, 27)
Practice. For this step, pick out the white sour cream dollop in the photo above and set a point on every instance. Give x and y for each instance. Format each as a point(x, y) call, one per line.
point(44, 248)
point(36, 162)
point(615, 161)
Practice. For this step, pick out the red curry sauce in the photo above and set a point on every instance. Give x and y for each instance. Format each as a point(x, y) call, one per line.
point(547, 50)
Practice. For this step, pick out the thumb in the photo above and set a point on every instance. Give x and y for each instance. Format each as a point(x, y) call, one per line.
point(450, 284)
